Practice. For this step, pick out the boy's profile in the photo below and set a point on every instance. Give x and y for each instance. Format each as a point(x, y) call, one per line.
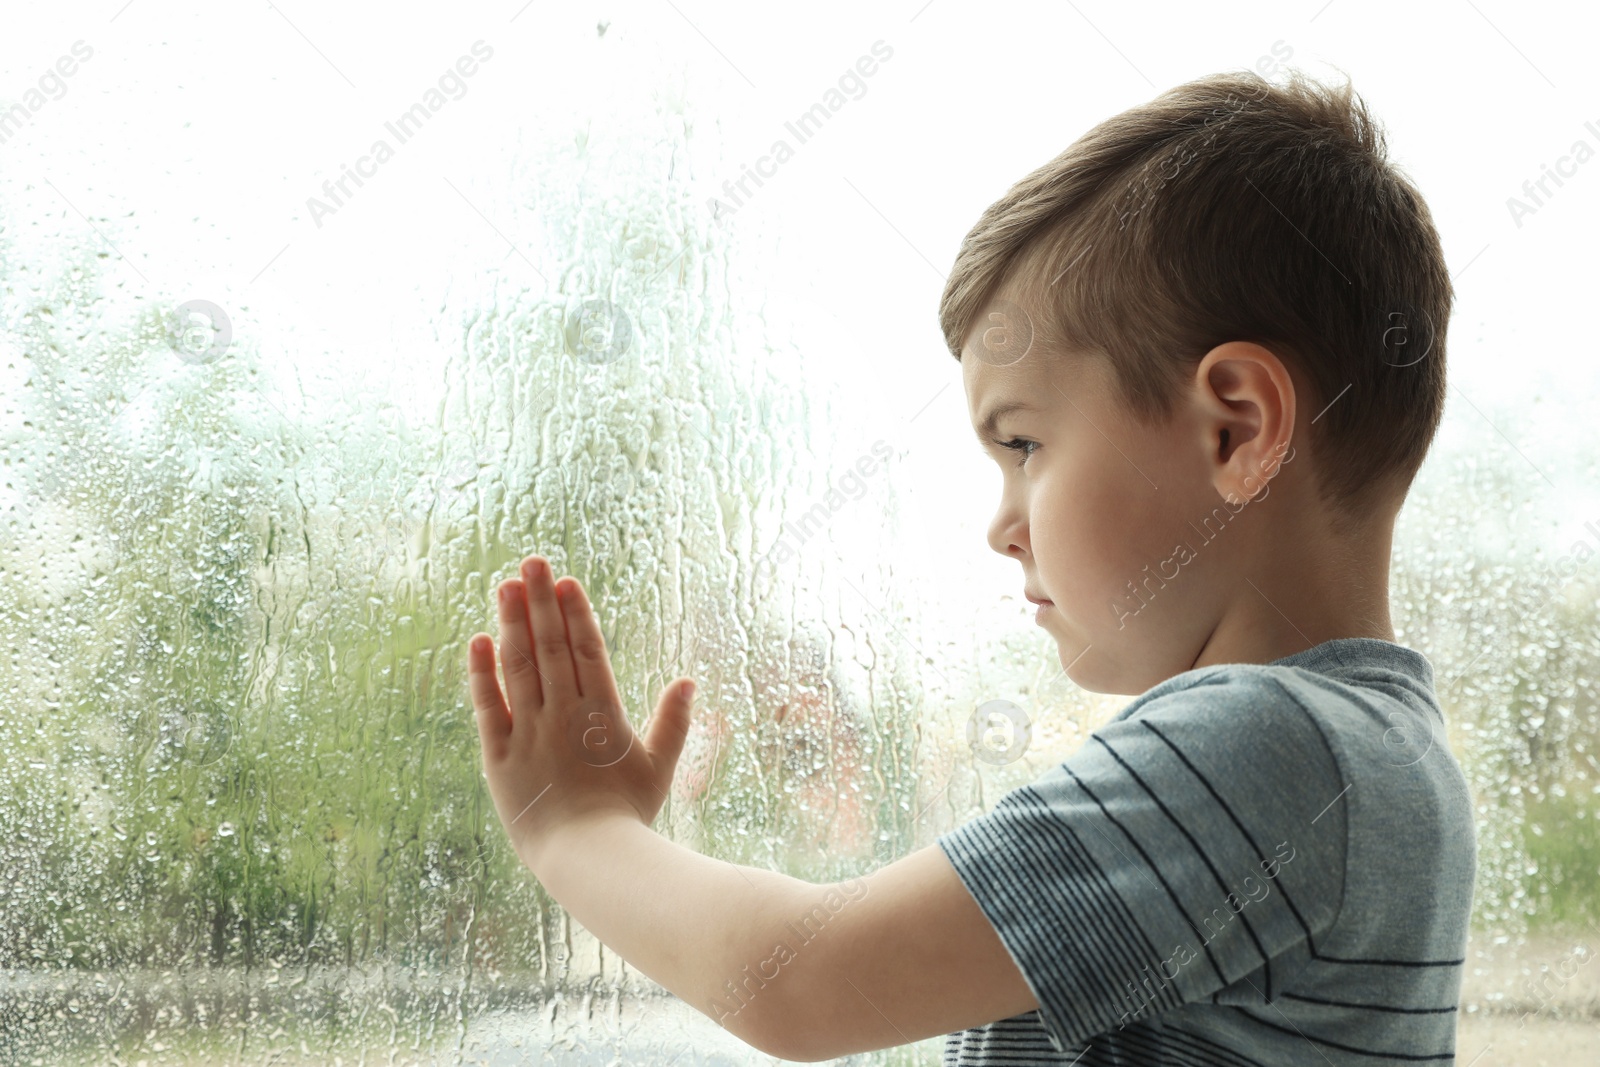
point(1205, 345)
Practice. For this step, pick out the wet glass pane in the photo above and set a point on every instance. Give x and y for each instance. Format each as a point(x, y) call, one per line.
point(279, 408)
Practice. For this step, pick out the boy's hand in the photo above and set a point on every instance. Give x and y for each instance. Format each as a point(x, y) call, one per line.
point(562, 748)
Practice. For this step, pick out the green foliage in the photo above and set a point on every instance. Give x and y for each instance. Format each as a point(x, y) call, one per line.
point(1562, 837)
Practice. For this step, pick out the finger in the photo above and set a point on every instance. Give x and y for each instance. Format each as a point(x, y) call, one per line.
point(595, 676)
point(550, 649)
point(668, 727)
point(523, 685)
point(494, 719)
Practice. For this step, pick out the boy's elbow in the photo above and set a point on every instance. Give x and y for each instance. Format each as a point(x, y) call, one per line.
point(780, 1038)
point(795, 1048)
point(775, 1029)
point(795, 1034)
point(765, 1028)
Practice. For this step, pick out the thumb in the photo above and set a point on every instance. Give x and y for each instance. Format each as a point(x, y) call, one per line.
point(669, 726)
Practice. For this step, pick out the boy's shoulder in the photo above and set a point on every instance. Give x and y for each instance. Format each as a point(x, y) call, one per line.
point(1361, 707)
point(1269, 745)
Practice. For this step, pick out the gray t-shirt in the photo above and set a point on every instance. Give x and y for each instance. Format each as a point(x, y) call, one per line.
point(1256, 864)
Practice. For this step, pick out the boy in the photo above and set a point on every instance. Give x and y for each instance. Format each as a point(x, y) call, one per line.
point(1206, 346)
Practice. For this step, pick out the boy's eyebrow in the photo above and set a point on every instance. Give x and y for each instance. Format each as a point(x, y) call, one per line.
point(986, 427)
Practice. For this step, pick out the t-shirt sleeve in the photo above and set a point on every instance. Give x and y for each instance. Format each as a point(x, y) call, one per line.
point(1186, 852)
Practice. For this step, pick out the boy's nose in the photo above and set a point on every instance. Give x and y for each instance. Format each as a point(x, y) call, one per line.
point(1008, 534)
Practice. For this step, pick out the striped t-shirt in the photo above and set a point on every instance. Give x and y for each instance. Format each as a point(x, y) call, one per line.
point(1258, 864)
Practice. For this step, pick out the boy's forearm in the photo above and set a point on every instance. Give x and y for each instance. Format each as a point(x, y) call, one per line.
point(703, 928)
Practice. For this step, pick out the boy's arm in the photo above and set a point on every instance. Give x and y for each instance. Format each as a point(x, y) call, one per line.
point(800, 971)
point(815, 970)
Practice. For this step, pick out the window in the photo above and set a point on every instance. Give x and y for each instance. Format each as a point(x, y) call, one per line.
point(312, 328)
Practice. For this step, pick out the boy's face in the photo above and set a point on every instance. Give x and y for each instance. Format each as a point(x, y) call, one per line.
point(1097, 500)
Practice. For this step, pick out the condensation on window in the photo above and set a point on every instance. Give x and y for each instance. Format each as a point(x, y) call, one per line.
point(241, 812)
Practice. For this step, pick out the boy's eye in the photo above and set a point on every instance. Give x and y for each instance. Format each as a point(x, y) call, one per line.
point(1022, 445)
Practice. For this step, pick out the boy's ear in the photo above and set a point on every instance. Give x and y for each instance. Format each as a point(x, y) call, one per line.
point(1246, 402)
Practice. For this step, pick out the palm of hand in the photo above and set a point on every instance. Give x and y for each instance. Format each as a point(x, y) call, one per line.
point(557, 744)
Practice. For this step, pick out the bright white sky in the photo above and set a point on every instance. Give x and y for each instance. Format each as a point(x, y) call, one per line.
point(194, 135)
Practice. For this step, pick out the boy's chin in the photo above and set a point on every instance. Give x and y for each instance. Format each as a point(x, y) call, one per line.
point(1087, 668)
point(1079, 659)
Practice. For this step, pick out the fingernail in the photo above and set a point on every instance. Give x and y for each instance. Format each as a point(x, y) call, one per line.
point(687, 689)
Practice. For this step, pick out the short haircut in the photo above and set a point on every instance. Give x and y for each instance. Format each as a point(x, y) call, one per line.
point(1231, 208)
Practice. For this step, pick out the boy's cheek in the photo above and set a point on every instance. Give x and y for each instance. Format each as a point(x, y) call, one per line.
point(1092, 543)
point(1122, 595)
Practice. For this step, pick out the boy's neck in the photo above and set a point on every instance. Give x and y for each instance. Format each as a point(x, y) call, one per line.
point(1327, 587)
